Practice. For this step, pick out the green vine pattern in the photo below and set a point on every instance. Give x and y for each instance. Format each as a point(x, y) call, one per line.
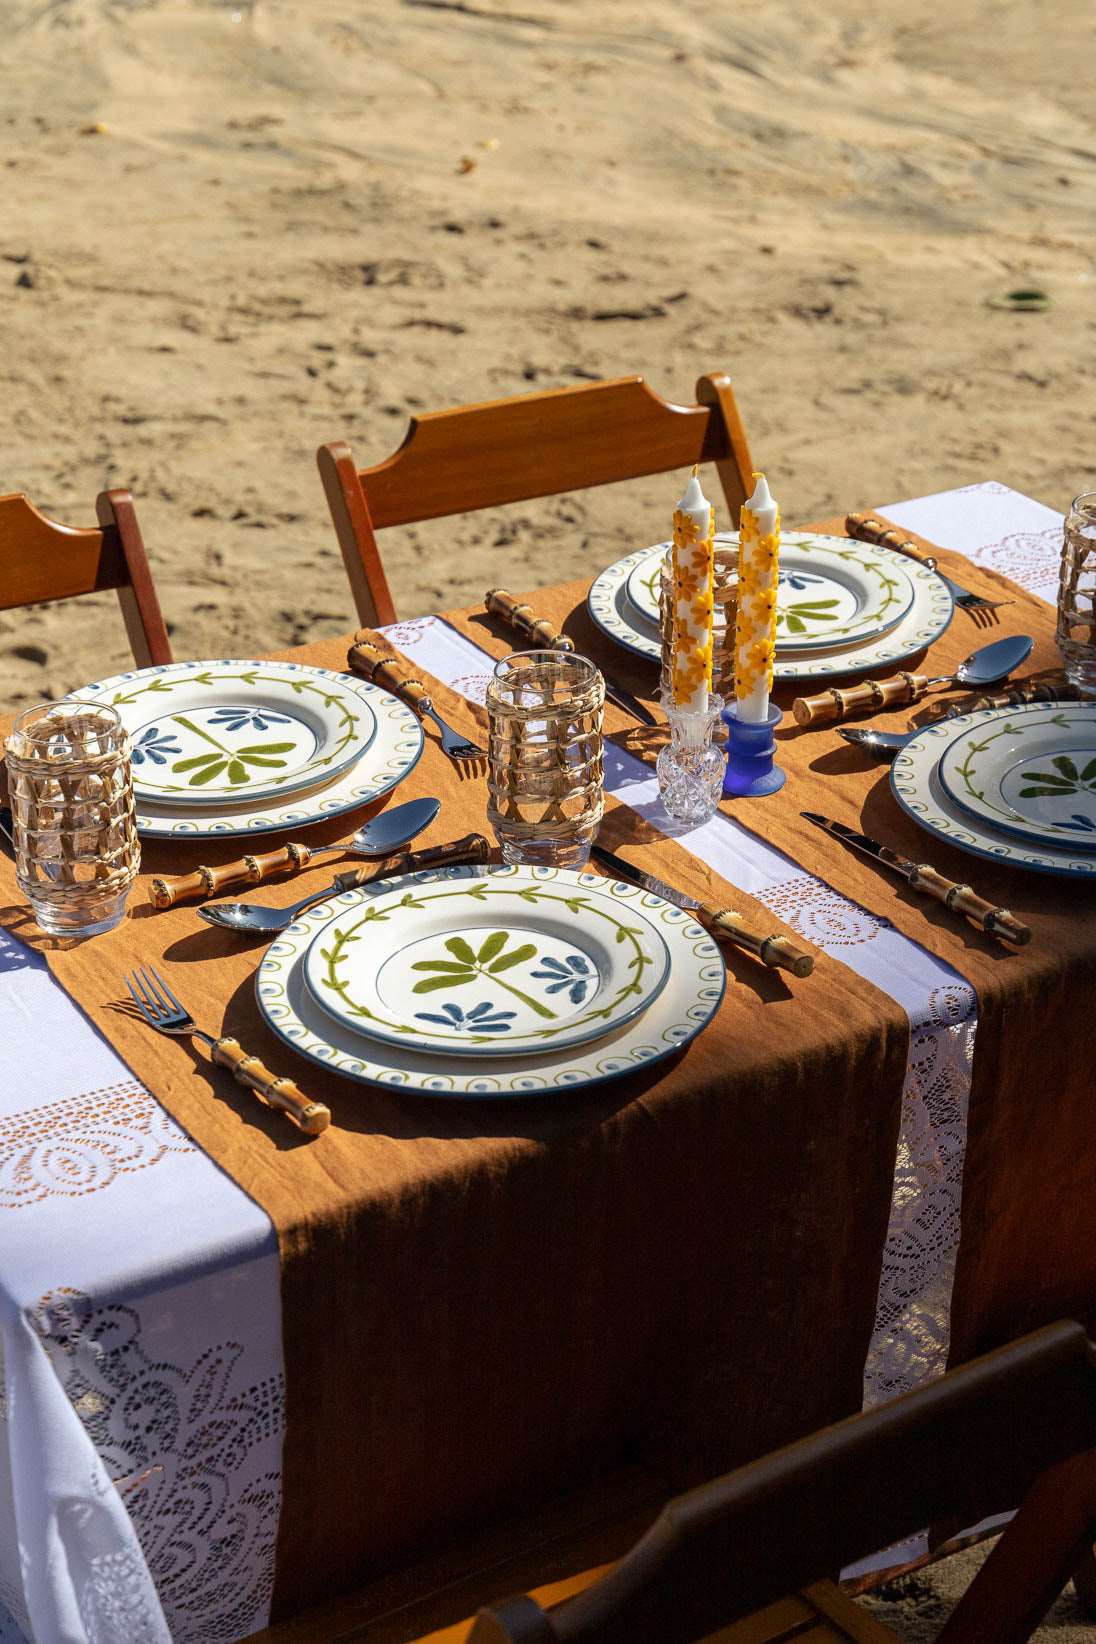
point(1069, 781)
point(578, 905)
point(796, 616)
point(205, 768)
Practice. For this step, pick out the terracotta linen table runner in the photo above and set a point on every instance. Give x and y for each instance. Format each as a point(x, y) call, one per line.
point(484, 1300)
point(1028, 1249)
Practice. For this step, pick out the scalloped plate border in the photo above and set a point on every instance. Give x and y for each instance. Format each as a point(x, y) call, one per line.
point(686, 1005)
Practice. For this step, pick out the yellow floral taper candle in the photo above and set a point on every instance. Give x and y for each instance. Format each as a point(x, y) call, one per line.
point(755, 630)
point(693, 567)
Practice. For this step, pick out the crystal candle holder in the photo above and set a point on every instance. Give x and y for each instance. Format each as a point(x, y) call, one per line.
point(690, 767)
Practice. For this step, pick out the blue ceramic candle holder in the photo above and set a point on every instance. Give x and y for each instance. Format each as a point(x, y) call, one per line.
point(750, 754)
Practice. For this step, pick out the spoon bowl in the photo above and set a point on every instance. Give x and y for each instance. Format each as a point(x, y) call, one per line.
point(987, 666)
point(383, 836)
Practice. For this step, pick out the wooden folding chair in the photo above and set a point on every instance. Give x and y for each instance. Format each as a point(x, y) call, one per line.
point(1016, 1426)
point(41, 560)
point(537, 445)
point(752, 1554)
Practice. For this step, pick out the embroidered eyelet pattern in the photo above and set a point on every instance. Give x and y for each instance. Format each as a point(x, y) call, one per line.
point(83, 1143)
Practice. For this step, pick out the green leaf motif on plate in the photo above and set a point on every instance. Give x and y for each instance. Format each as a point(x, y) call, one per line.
point(493, 957)
point(489, 961)
point(1064, 779)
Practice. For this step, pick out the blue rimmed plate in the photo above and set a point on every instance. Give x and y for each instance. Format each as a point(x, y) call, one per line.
point(394, 745)
point(916, 784)
point(489, 966)
point(686, 1004)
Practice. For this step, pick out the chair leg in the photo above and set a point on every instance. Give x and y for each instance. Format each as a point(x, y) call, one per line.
point(1084, 1579)
point(354, 529)
point(1035, 1557)
point(139, 600)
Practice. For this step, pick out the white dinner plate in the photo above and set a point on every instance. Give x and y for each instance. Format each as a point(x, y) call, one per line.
point(506, 968)
point(687, 1003)
point(1034, 776)
point(831, 591)
point(916, 784)
point(926, 619)
point(207, 732)
point(393, 750)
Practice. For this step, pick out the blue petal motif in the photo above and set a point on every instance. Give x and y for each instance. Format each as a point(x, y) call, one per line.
point(234, 719)
point(482, 1018)
point(154, 745)
point(565, 977)
point(797, 579)
point(1083, 824)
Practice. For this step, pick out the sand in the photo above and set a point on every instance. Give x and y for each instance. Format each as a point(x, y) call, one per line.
point(233, 231)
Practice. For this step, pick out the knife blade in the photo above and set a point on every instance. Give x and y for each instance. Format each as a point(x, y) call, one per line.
point(519, 615)
point(921, 876)
point(723, 923)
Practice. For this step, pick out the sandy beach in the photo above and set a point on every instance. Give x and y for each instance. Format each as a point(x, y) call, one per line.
point(232, 231)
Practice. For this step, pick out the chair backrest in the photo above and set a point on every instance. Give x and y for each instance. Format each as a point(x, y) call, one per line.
point(535, 445)
point(1011, 1427)
point(41, 560)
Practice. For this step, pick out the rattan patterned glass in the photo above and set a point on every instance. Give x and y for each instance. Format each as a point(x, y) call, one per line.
point(544, 767)
point(1077, 595)
point(74, 828)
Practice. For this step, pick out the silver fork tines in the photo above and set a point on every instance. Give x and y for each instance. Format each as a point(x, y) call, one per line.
point(159, 1006)
point(160, 1009)
point(458, 747)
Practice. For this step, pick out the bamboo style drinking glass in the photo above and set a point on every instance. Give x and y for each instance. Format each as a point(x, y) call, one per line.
point(74, 826)
point(544, 757)
point(1077, 595)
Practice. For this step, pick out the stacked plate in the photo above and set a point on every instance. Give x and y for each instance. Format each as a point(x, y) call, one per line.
point(1017, 785)
point(482, 981)
point(236, 747)
point(842, 606)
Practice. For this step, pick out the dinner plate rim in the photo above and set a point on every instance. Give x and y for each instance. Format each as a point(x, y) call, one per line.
point(708, 993)
point(1017, 830)
point(303, 783)
point(953, 827)
point(923, 630)
point(348, 792)
point(500, 1047)
point(792, 540)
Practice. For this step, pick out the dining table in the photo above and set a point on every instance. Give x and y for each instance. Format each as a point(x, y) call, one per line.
point(245, 1369)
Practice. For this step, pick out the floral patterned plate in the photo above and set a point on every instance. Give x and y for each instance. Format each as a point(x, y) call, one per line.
point(687, 1003)
point(393, 751)
point(926, 619)
point(831, 591)
point(488, 967)
point(1034, 776)
point(916, 784)
point(206, 731)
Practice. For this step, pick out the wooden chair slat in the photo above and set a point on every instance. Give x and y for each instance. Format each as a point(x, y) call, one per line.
point(42, 561)
point(534, 445)
point(968, 1445)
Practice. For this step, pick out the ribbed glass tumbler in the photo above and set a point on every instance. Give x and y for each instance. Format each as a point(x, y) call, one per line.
point(544, 757)
point(1077, 595)
point(74, 827)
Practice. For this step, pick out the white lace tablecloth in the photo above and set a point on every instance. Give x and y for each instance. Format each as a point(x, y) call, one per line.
point(141, 1401)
